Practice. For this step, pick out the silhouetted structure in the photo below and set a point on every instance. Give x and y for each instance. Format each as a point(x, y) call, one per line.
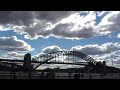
point(104, 67)
point(25, 66)
point(27, 61)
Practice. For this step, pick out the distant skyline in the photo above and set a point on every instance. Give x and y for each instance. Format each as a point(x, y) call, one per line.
point(96, 33)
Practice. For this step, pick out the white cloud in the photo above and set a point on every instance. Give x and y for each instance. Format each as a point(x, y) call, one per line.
point(14, 55)
point(98, 49)
point(51, 49)
point(93, 49)
point(61, 66)
point(109, 23)
point(14, 44)
point(112, 59)
point(118, 36)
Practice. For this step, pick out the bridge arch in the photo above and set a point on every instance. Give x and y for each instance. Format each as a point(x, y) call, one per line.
point(47, 57)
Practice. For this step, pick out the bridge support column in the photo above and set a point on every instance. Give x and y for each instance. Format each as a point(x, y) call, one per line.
point(104, 67)
point(27, 64)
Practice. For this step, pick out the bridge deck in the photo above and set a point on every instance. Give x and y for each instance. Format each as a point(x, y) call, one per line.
point(42, 62)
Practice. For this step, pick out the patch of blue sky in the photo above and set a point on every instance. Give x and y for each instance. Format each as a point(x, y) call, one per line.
point(99, 18)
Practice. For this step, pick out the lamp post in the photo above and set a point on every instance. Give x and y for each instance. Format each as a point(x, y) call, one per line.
point(112, 62)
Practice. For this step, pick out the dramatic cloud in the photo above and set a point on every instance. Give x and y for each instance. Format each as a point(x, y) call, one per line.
point(14, 44)
point(77, 26)
point(67, 24)
point(74, 26)
point(25, 22)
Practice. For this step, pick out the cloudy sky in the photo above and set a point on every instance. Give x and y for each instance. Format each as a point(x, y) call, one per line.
point(96, 33)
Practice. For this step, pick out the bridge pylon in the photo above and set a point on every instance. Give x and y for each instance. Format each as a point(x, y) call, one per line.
point(27, 62)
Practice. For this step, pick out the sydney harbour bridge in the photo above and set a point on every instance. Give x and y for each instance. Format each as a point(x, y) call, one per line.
point(27, 68)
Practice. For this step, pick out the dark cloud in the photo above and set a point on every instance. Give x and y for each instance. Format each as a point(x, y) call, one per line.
point(53, 16)
point(16, 17)
point(27, 17)
point(63, 30)
point(38, 29)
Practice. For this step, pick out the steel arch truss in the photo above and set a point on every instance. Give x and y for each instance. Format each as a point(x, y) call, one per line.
point(47, 57)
